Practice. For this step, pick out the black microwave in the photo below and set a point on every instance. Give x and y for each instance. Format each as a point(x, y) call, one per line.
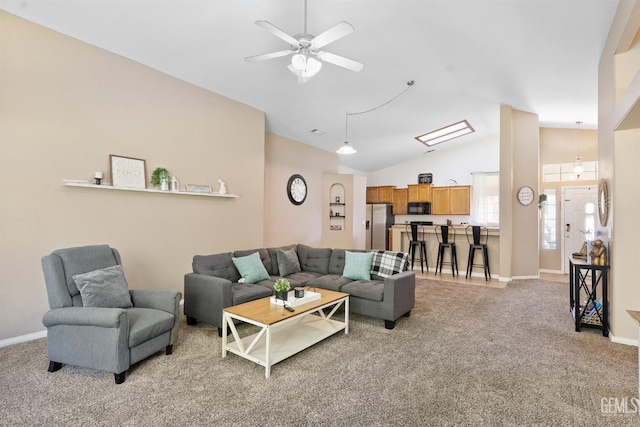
point(419, 208)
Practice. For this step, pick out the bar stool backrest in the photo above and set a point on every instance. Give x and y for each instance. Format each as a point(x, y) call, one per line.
point(478, 235)
point(444, 233)
point(414, 227)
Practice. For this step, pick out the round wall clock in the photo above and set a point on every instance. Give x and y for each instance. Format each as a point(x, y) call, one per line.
point(603, 202)
point(297, 189)
point(525, 195)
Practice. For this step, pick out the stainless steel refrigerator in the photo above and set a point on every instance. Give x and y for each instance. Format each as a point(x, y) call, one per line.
point(378, 220)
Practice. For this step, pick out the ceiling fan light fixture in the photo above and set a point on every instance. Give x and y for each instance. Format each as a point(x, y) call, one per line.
point(346, 149)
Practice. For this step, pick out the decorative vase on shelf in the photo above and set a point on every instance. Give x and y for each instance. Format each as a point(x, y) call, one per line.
point(164, 184)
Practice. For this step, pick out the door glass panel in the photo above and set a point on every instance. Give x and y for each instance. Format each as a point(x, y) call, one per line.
point(549, 221)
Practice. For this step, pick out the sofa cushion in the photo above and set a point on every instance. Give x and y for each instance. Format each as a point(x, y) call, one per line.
point(371, 290)
point(357, 266)
point(241, 293)
point(251, 268)
point(147, 323)
point(265, 258)
point(274, 257)
point(106, 287)
point(315, 260)
point(302, 277)
point(332, 282)
point(219, 265)
point(388, 263)
point(288, 262)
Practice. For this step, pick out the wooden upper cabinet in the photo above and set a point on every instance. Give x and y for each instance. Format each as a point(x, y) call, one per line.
point(440, 197)
point(399, 201)
point(460, 200)
point(372, 194)
point(419, 192)
point(455, 200)
point(381, 194)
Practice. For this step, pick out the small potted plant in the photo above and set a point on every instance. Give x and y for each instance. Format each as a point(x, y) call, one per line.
point(282, 288)
point(160, 178)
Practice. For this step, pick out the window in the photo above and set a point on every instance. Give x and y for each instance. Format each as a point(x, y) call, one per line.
point(485, 207)
point(549, 220)
point(564, 172)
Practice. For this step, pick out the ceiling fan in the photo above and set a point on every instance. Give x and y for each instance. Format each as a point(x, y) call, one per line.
point(306, 59)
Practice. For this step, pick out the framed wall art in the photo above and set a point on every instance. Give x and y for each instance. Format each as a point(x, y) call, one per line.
point(128, 172)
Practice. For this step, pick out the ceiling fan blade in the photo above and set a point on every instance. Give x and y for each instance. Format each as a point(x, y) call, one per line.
point(268, 55)
point(277, 32)
point(332, 34)
point(340, 61)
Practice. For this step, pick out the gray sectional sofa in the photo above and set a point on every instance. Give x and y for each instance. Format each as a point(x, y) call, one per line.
point(216, 283)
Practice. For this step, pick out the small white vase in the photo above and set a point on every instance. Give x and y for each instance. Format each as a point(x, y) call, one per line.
point(164, 184)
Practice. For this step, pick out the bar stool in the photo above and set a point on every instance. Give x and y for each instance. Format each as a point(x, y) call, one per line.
point(414, 241)
point(446, 235)
point(478, 238)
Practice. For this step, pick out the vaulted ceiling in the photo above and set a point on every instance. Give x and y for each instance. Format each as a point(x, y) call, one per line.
point(467, 57)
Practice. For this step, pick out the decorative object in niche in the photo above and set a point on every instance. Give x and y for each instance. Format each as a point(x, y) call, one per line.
point(127, 172)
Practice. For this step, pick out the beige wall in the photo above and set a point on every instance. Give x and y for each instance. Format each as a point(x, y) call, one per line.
point(519, 148)
point(64, 107)
point(561, 146)
point(284, 222)
point(619, 160)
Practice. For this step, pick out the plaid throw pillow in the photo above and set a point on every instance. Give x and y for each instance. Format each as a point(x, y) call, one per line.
point(387, 263)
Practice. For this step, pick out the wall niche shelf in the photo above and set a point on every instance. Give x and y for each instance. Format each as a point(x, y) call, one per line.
point(73, 183)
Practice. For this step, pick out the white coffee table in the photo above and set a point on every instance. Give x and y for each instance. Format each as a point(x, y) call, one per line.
point(283, 333)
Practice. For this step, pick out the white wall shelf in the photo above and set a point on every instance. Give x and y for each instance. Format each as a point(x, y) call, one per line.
point(73, 183)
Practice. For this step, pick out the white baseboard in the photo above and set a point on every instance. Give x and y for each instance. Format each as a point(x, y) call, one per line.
point(23, 338)
point(34, 336)
point(625, 341)
point(525, 277)
point(544, 270)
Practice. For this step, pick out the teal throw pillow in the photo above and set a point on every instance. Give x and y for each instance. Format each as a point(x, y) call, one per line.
point(357, 265)
point(251, 268)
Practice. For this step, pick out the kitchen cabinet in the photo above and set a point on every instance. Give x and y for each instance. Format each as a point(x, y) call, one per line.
point(381, 194)
point(419, 192)
point(454, 200)
point(399, 201)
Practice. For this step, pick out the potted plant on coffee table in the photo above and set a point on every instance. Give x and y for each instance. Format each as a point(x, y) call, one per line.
point(281, 287)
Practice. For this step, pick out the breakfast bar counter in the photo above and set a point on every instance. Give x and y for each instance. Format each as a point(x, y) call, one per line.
point(400, 242)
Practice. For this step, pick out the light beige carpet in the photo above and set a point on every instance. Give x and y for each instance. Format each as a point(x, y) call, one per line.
point(468, 355)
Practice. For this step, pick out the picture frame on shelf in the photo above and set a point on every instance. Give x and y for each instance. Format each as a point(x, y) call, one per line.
point(128, 172)
point(197, 188)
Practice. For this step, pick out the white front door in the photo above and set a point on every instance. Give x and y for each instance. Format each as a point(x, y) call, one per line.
point(579, 219)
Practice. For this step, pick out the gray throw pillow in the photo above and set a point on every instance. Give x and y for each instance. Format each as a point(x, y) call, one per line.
point(251, 268)
point(288, 262)
point(104, 288)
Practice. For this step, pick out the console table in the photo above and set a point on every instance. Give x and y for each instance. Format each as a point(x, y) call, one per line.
point(580, 287)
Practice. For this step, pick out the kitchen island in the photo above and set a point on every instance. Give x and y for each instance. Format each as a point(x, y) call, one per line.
point(400, 242)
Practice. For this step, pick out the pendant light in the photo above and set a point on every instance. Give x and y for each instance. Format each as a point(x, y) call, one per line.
point(578, 169)
point(348, 149)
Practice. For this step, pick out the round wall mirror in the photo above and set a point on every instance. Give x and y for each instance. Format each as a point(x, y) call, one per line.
point(603, 202)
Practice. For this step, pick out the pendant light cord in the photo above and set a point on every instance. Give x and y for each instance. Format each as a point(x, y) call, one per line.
point(410, 84)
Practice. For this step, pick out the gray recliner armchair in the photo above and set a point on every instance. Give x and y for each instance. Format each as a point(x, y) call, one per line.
point(100, 337)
